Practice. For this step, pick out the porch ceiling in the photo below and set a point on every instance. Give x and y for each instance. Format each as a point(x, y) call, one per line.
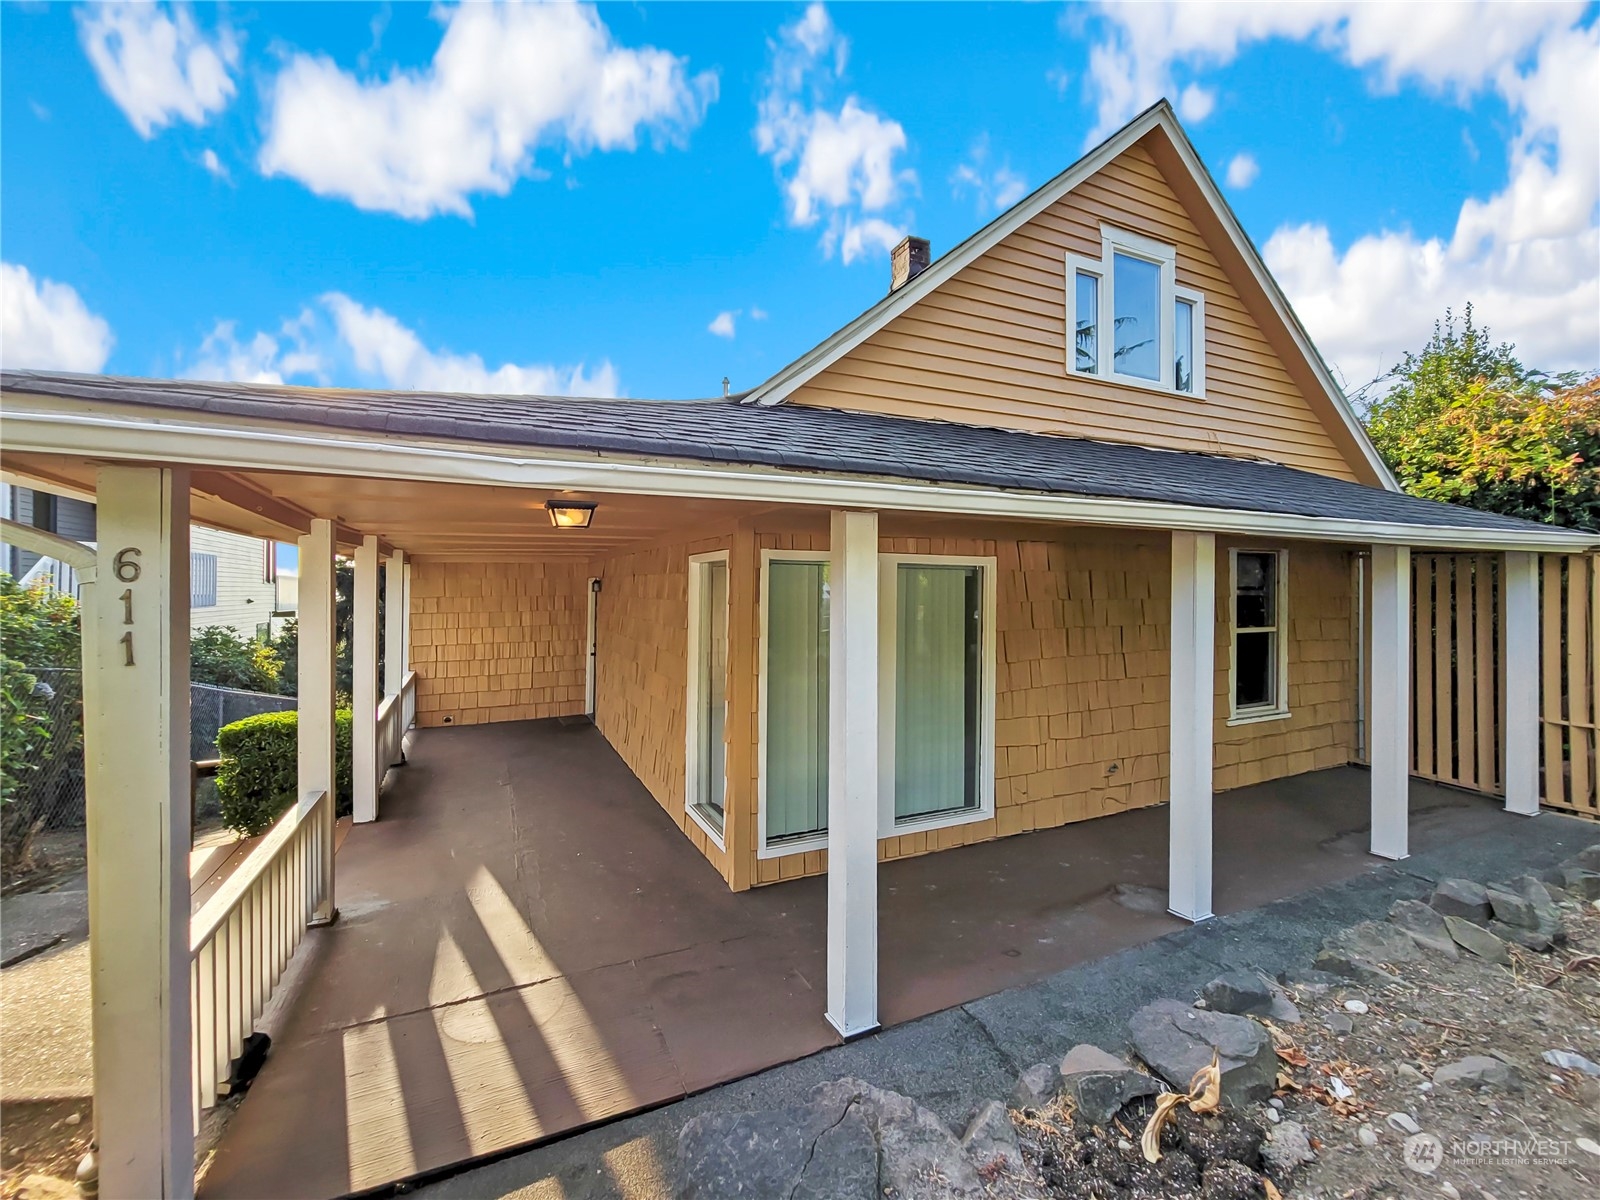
point(427, 520)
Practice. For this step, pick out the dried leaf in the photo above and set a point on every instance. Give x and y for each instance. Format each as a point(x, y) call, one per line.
point(1150, 1142)
point(1294, 1056)
point(1205, 1095)
point(1205, 1089)
point(1271, 1189)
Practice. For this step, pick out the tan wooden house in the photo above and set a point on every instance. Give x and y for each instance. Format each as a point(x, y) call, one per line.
point(1073, 522)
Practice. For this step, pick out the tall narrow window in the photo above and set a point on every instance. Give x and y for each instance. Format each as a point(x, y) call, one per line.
point(1183, 346)
point(1136, 332)
point(708, 697)
point(795, 772)
point(1086, 319)
point(938, 684)
point(1258, 660)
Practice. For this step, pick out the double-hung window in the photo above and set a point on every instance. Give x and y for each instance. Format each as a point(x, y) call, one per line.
point(1129, 320)
point(1258, 659)
point(706, 751)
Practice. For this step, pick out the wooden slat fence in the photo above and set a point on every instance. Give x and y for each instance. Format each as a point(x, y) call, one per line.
point(1455, 670)
point(1569, 587)
point(1455, 675)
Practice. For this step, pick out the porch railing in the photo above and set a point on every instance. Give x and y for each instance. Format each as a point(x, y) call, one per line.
point(396, 714)
point(53, 573)
point(243, 937)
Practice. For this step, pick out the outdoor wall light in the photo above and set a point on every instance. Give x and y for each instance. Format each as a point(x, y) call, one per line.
point(570, 514)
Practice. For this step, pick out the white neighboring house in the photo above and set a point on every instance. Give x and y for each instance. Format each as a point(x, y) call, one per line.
point(233, 579)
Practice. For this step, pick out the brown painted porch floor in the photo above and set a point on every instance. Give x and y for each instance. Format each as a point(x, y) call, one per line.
point(528, 945)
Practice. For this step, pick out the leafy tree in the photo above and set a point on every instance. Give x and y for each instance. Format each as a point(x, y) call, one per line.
point(1465, 421)
point(38, 626)
point(219, 655)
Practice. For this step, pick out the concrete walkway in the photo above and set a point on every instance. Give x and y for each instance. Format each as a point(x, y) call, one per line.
point(953, 1059)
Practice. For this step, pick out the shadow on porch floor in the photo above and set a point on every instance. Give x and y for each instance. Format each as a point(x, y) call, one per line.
point(527, 946)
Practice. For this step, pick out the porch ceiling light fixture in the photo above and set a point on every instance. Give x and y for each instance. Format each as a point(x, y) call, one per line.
point(570, 514)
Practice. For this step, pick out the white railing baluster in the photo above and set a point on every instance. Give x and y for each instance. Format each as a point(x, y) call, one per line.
point(243, 937)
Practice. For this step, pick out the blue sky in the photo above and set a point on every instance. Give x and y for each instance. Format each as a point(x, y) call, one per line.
point(646, 198)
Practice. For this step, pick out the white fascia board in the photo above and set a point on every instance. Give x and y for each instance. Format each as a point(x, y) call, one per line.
point(778, 388)
point(322, 451)
point(1280, 303)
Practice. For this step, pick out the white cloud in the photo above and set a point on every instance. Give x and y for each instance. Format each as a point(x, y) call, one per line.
point(46, 325)
point(1527, 257)
point(1195, 103)
point(340, 335)
point(157, 65)
point(262, 358)
point(213, 164)
point(993, 190)
point(1059, 79)
point(837, 167)
point(506, 80)
point(1446, 47)
point(758, 314)
point(723, 323)
point(1242, 170)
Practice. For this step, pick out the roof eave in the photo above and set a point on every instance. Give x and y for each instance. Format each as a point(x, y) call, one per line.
point(55, 426)
point(1158, 116)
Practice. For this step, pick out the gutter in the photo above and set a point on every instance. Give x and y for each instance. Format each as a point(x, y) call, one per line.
point(125, 437)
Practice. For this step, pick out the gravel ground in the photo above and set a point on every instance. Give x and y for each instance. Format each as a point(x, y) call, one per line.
point(1532, 1131)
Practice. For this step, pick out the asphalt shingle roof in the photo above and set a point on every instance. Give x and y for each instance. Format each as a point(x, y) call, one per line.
point(792, 437)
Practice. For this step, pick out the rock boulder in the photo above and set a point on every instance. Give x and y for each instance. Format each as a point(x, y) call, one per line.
point(1176, 1040)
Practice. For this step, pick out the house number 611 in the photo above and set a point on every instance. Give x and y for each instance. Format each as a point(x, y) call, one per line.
point(127, 570)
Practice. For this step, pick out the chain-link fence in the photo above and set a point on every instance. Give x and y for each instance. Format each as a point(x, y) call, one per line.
point(42, 820)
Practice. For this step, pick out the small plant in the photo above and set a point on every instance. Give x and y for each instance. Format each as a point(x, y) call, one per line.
point(257, 777)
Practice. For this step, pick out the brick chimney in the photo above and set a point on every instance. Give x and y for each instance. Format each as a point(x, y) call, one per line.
point(908, 260)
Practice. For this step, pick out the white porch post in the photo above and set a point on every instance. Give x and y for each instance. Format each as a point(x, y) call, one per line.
point(364, 683)
point(1193, 679)
point(394, 623)
point(136, 742)
point(853, 774)
point(1519, 658)
point(1389, 726)
point(314, 617)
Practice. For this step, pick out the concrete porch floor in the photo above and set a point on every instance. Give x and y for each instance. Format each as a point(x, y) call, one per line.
point(528, 946)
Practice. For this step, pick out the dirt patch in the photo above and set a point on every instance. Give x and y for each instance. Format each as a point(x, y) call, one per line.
point(1532, 1130)
point(42, 1137)
point(1434, 1085)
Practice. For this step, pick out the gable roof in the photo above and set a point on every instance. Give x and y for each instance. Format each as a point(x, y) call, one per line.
point(1158, 119)
point(796, 439)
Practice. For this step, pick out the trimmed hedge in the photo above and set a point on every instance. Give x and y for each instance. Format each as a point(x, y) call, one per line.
point(258, 774)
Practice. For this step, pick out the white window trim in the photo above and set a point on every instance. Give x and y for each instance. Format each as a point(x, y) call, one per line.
point(799, 845)
point(1279, 710)
point(1122, 241)
point(888, 826)
point(1197, 369)
point(691, 756)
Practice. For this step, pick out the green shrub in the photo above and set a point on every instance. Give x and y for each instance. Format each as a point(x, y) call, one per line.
point(221, 656)
point(257, 777)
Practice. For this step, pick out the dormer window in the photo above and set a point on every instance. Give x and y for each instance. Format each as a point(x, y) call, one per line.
point(1130, 321)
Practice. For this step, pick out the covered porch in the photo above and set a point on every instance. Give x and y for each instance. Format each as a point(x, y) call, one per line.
point(535, 927)
point(529, 946)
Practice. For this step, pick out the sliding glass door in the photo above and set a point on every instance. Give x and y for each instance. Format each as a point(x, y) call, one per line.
point(937, 648)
